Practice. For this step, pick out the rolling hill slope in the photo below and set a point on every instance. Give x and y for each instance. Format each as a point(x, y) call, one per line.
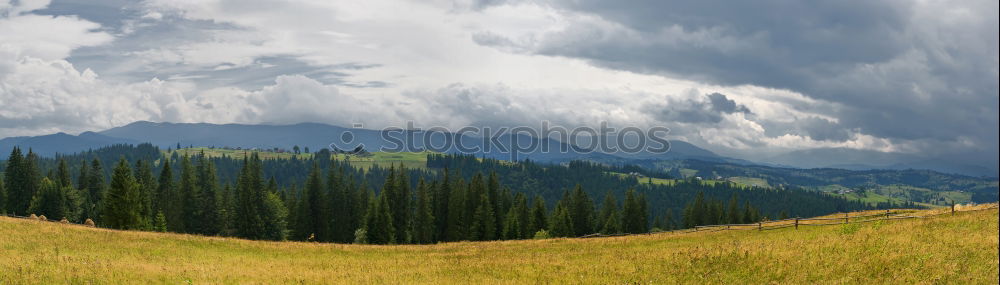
point(961, 249)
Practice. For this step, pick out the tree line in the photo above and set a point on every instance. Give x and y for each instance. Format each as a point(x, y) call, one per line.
point(459, 197)
point(186, 196)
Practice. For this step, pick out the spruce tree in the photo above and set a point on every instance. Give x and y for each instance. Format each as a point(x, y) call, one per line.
point(403, 215)
point(456, 230)
point(13, 180)
point(207, 187)
point(95, 191)
point(512, 225)
point(147, 192)
point(49, 201)
point(733, 211)
point(561, 224)
point(523, 215)
point(423, 221)
point(609, 219)
point(82, 181)
point(23, 177)
point(168, 200)
point(441, 205)
point(581, 210)
point(63, 178)
point(122, 204)
point(748, 213)
point(191, 201)
point(500, 204)
point(251, 206)
point(380, 229)
point(668, 220)
point(310, 217)
point(3, 197)
point(484, 222)
point(275, 217)
point(338, 207)
point(476, 189)
point(160, 222)
point(632, 214)
point(538, 219)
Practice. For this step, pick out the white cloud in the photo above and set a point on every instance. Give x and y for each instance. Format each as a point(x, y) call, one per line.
point(429, 54)
point(45, 37)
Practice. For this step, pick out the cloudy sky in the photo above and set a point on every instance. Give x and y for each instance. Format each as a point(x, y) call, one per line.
point(742, 78)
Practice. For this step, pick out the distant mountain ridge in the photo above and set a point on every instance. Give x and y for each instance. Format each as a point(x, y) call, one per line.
point(317, 136)
point(50, 145)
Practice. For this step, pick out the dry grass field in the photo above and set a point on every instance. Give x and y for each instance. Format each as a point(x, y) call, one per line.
point(947, 249)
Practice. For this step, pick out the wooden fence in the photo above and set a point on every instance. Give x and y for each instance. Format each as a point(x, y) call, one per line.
point(834, 219)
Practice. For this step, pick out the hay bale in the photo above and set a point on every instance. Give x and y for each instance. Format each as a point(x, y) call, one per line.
point(42, 218)
point(64, 221)
point(89, 223)
point(33, 217)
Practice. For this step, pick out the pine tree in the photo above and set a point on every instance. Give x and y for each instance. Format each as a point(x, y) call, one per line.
point(13, 180)
point(3, 197)
point(561, 224)
point(252, 206)
point(160, 222)
point(23, 177)
point(83, 181)
point(643, 214)
point(49, 201)
point(512, 225)
point(423, 221)
point(275, 217)
point(169, 201)
point(632, 214)
point(523, 215)
point(733, 211)
point(95, 191)
point(456, 211)
point(147, 190)
point(191, 201)
point(339, 207)
point(441, 201)
point(310, 217)
point(380, 229)
point(668, 220)
point(500, 202)
point(609, 218)
point(63, 178)
point(581, 211)
point(697, 212)
point(538, 219)
point(484, 222)
point(207, 187)
point(476, 189)
point(748, 214)
point(122, 206)
point(397, 188)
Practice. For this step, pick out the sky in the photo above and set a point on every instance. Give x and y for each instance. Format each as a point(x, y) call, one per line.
point(750, 79)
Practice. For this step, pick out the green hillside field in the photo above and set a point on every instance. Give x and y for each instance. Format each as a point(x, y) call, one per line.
point(947, 249)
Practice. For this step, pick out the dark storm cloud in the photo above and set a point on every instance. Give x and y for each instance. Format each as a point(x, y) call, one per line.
point(902, 70)
point(723, 104)
point(710, 110)
point(111, 14)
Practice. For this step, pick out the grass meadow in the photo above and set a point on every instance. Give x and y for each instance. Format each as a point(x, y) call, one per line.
point(948, 249)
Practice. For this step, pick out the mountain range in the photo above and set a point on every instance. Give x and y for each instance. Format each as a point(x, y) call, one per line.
point(316, 136)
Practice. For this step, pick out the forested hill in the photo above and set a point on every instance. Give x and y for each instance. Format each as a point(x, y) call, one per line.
point(920, 185)
point(454, 197)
